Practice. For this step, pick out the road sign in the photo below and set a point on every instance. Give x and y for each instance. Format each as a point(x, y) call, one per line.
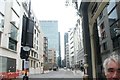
point(26, 64)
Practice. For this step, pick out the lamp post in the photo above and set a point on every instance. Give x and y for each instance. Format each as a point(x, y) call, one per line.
point(26, 47)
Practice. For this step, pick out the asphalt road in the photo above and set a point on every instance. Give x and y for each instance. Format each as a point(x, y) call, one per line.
point(61, 74)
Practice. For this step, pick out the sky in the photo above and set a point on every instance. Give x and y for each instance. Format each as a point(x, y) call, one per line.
point(55, 10)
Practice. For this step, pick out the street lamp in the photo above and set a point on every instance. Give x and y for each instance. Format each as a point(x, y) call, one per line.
point(26, 48)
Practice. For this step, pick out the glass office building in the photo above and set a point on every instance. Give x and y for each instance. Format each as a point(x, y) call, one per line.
point(50, 30)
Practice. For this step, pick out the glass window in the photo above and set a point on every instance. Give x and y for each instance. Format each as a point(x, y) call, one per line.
point(112, 4)
point(113, 33)
point(3, 64)
point(2, 6)
point(101, 31)
point(105, 46)
point(103, 35)
point(101, 15)
point(1, 21)
point(15, 19)
point(112, 12)
point(115, 43)
point(31, 63)
point(12, 44)
point(13, 33)
point(16, 7)
point(11, 65)
point(112, 17)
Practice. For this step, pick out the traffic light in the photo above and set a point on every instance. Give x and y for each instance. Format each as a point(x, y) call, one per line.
point(24, 54)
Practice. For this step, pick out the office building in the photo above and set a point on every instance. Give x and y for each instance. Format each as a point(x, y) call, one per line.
point(50, 30)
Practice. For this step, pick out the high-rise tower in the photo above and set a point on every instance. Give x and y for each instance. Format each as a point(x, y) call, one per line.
point(50, 30)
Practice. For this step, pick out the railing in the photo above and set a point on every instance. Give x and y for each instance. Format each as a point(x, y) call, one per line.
point(9, 75)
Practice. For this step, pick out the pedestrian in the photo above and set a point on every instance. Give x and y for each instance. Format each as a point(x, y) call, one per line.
point(25, 77)
point(111, 66)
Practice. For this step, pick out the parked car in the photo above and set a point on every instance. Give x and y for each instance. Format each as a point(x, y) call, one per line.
point(50, 68)
point(55, 68)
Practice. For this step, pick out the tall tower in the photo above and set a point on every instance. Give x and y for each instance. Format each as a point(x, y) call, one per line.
point(50, 30)
point(65, 42)
point(59, 57)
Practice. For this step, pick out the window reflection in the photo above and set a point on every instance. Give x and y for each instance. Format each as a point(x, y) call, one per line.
point(112, 17)
point(16, 7)
point(15, 19)
point(13, 33)
point(2, 6)
point(111, 5)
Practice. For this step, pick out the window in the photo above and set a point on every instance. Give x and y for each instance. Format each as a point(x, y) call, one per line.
point(32, 52)
point(103, 35)
point(0, 38)
point(35, 31)
point(112, 18)
point(13, 33)
point(37, 65)
point(115, 43)
point(2, 7)
point(101, 31)
point(12, 44)
point(15, 19)
point(112, 27)
point(31, 63)
point(1, 21)
point(50, 60)
point(112, 12)
point(37, 34)
point(105, 46)
point(102, 27)
point(101, 15)
point(111, 5)
point(34, 64)
point(16, 7)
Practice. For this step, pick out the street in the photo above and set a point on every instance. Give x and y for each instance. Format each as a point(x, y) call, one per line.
point(59, 74)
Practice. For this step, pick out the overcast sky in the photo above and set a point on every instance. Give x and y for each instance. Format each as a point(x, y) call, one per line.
point(55, 10)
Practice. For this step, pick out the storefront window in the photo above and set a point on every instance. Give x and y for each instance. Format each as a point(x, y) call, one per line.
point(3, 64)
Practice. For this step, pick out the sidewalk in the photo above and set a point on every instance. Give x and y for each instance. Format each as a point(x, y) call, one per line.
point(46, 71)
point(78, 72)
